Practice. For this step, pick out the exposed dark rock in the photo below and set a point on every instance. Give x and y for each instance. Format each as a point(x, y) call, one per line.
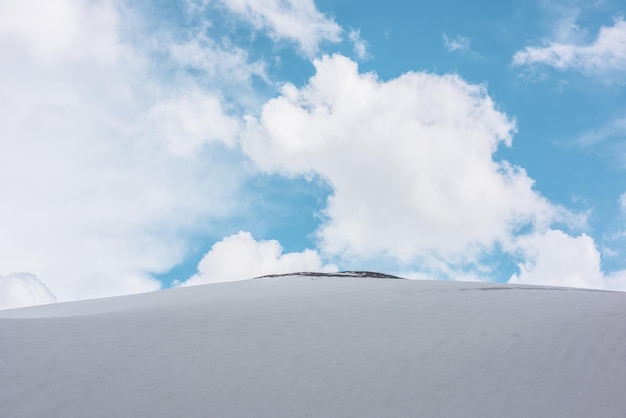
point(338, 274)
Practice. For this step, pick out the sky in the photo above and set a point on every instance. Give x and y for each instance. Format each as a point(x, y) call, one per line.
point(154, 144)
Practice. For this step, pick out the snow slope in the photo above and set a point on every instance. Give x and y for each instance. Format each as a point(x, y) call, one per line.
point(306, 346)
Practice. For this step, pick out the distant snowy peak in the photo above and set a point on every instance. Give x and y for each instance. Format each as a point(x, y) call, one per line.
point(371, 274)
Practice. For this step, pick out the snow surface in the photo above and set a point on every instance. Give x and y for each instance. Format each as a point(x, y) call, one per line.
point(305, 346)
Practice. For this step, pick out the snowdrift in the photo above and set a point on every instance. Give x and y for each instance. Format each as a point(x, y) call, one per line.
point(320, 346)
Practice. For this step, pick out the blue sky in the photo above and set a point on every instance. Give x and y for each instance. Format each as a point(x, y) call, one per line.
point(151, 144)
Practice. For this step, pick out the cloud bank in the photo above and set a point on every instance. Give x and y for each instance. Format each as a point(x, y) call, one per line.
point(410, 161)
point(107, 169)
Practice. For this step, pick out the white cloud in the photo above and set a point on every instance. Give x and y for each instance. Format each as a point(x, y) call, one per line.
point(225, 63)
point(23, 289)
point(410, 161)
point(61, 30)
point(622, 202)
point(555, 258)
point(298, 21)
point(607, 140)
point(240, 257)
point(457, 275)
point(616, 281)
point(460, 43)
point(93, 202)
point(606, 54)
point(188, 122)
point(360, 46)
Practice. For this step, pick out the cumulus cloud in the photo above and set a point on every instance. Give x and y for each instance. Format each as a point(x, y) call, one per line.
point(240, 257)
point(557, 259)
point(298, 21)
point(410, 161)
point(460, 43)
point(605, 54)
point(23, 289)
point(94, 199)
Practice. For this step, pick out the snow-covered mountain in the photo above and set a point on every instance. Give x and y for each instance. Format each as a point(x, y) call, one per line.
point(320, 345)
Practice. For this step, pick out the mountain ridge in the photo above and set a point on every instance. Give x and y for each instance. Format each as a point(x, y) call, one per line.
point(333, 347)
